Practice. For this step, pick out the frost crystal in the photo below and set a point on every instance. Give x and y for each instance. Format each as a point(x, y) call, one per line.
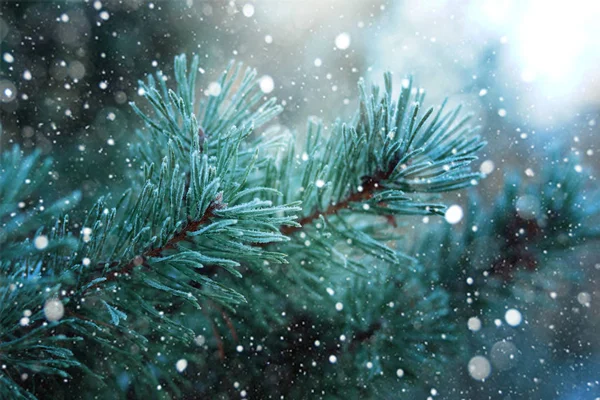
point(266, 84)
point(513, 317)
point(214, 89)
point(41, 242)
point(54, 310)
point(181, 365)
point(200, 340)
point(248, 10)
point(479, 368)
point(487, 167)
point(342, 41)
point(454, 214)
point(474, 324)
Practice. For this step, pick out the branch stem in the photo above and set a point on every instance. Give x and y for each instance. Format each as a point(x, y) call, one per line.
point(366, 193)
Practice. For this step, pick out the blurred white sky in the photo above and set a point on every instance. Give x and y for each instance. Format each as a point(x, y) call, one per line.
point(555, 44)
point(548, 50)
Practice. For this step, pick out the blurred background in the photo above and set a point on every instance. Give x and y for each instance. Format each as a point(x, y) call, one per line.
point(528, 71)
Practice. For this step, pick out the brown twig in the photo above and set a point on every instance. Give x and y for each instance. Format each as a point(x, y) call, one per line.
point(363, 336)
point(227, 320)
point(217, 334)
point(201, 138)
point(191, 226)
point(367, 192)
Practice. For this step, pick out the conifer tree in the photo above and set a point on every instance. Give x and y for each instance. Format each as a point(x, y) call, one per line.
point(243, 263)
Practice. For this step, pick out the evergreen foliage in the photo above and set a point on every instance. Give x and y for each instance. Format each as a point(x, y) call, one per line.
point(246, 262)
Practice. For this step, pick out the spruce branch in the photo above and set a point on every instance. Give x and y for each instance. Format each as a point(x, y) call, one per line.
point(213, 195)
point(387, 162)
point(531, 223)
point(188, 216)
